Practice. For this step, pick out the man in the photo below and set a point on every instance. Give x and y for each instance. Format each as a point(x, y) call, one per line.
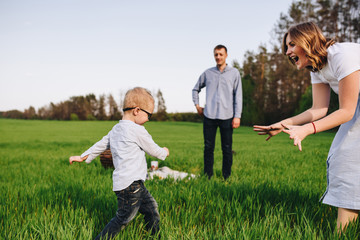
point(222, 109)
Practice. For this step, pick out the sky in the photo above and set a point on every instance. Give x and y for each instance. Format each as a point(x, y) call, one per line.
point(53, 50)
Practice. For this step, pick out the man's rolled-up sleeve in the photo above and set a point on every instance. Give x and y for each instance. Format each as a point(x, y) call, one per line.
point(197, 89)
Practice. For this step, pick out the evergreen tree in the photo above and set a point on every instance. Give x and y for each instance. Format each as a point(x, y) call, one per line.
point(161, 114)
point(101, 110)
point(114, 113)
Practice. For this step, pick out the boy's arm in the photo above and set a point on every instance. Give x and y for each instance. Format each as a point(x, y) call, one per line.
point(96, 149)
point(146, 142)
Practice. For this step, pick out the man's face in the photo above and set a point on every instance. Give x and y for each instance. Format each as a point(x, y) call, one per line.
point(220, 56)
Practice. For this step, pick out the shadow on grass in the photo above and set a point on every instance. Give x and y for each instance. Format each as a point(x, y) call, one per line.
point(293, 204)
point(100, 205)
point(290, 203)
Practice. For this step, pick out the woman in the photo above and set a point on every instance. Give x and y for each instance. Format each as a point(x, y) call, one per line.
point(333, 66)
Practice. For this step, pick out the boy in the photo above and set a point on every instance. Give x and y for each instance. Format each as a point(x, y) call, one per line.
point(128, 141)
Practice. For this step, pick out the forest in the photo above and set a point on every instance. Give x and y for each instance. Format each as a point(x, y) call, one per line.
point(272, 88)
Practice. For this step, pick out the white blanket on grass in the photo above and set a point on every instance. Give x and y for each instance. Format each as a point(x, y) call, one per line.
point(166, 172)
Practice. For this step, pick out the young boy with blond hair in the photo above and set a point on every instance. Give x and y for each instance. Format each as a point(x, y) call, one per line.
point(128, 141)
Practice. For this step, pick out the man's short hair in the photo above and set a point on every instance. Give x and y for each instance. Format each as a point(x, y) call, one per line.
point(218, 47)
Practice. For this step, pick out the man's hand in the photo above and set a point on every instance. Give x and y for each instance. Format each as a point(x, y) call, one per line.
point(236, 122)
point(199, 109)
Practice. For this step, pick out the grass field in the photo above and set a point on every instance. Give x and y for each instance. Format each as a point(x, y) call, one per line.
point(273, 192)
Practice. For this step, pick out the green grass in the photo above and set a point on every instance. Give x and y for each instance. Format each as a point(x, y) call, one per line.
point(273, 192)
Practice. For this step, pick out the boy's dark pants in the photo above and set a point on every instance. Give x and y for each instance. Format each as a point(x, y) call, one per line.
point(131, 200)
point(226, 131)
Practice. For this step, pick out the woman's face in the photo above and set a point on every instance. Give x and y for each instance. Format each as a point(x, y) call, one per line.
point(297, 54)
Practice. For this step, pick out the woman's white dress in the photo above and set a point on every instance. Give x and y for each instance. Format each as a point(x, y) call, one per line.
point(343, 162)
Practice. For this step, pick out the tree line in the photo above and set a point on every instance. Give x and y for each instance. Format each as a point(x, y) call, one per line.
point(90, 107)
point(272, 88)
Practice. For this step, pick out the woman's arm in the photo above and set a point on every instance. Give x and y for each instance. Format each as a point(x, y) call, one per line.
point(321, 99)
point(348, 97)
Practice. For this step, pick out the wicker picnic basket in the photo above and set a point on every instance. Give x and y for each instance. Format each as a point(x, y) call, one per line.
point(106, 159)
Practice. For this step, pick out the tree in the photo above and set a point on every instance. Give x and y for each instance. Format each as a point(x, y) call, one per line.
point(30, 113)
point(121, 96)
point(92, 106)
point(80, 106)
point(250, 113)
point(161, 114)
point(13, 114)
point(44, 112)
point(114, 113)
point(101, 110)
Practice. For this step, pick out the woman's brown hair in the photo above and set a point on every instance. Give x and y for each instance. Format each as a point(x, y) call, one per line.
point(310, 38)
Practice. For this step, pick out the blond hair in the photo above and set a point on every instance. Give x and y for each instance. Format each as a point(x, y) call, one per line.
point(310, 38)
point(138, 97)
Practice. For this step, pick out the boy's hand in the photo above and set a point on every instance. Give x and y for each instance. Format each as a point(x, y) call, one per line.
point(167, 150)
point(75, 159)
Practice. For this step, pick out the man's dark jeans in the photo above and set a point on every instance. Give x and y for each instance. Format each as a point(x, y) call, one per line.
point(226, 131)
point(131, 200)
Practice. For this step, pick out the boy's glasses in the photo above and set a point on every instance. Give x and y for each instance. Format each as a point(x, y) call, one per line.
point(149, 114)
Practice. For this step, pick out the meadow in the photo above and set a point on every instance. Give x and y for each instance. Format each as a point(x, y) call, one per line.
point(273, 192)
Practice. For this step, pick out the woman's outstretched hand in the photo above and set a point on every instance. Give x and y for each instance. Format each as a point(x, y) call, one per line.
point(271, 130)
point(297, 133)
